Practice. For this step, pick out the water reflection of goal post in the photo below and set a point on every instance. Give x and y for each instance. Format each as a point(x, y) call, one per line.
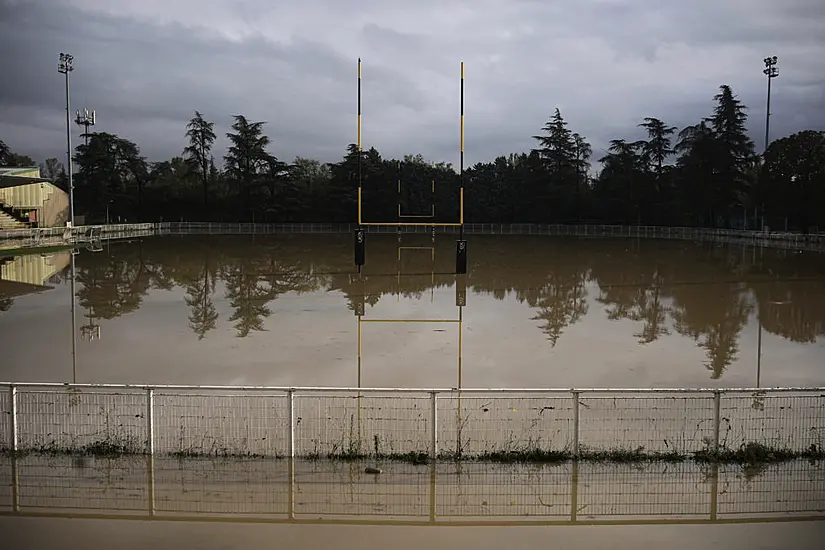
point(431, 249)
point(461, 244)
point(460, 301)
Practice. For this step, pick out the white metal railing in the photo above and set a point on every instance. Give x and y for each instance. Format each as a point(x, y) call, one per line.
point(347, 422)
point(814, 241)
point(777, 239)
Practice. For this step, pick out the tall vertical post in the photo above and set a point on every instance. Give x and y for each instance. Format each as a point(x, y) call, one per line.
point(461, 159)
point(150, 449)
point(72, 254)
point(150, 421)
point(770, 72)
point(15, 446)
point(360, 237)
point(13, 420)
point(65, 67)
point(759, 350)
point(461, 244)
point(359, 142)
point(434, 425)
point(717, 406)
point(576, 425)
point(290, 399)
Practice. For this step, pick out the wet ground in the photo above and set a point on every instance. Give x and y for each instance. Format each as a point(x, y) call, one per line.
point(36, 533)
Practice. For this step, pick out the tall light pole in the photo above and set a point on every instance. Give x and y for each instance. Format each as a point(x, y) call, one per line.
point(85, 118)
point(771, 72)
point(64, 66)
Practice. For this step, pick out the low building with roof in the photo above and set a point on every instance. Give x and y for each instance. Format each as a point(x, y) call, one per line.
point(29, 200)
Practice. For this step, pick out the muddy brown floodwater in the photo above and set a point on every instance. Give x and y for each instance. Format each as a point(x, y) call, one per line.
point(540, 312)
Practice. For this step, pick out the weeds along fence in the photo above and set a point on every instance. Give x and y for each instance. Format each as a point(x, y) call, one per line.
point(21, 238)
point(416, 425)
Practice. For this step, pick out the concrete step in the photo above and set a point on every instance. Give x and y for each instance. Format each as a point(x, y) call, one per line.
point(8, 222)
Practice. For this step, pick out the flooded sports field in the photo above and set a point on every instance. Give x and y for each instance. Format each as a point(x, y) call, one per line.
point(288, 310)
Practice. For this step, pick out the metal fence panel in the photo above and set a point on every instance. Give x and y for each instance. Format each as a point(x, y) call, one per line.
point(221, 424)
point(73, 419)
point(779, 421)
point(471, 424)
point(347, 425)
point(654, 423)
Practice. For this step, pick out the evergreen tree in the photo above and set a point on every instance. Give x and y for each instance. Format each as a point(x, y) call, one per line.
point(201, 135)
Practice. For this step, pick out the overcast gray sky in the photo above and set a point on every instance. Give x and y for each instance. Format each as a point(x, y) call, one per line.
point(146, 65)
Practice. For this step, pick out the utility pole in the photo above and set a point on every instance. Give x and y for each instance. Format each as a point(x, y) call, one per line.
point(64, 66)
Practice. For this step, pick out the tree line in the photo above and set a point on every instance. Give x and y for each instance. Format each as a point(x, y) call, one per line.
point(707, 174)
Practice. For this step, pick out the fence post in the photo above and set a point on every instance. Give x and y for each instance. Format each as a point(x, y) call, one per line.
point(150, 420)
point(290, 399)
point(434, 425)
point(13, 420)
point(15, 481)
point(717, 398)
point(576, 424)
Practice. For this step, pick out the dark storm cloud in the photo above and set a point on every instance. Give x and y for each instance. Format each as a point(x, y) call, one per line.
point(607, 64)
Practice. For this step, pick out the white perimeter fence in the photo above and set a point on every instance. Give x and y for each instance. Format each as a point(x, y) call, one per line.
point(52, 236)
point(395, 422)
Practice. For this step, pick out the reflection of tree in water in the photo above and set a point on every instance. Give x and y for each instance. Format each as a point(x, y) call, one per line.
point(790, 300)
point(713, 315)
point(203, 316)
point(659, 285)
point(798, 315)
point(648, 307)
point(252, 281)
point(561, 302)
point(630, 287)
point(115, 284)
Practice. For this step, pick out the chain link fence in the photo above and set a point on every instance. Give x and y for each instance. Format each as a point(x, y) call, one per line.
point(413, 424)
